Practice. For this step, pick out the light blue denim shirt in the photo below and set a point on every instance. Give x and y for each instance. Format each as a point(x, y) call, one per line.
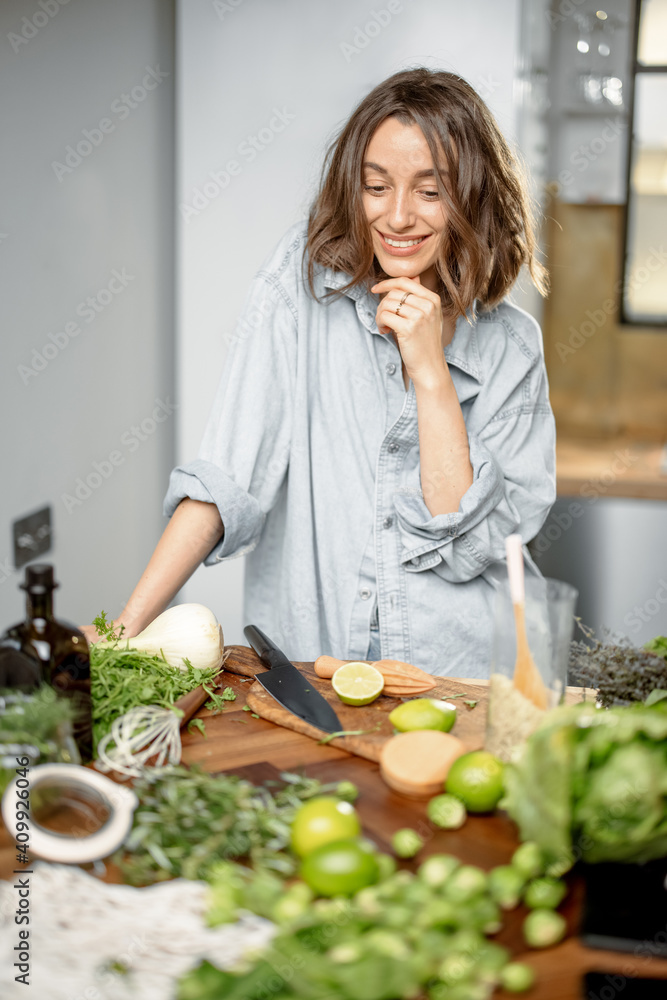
point(311, 454)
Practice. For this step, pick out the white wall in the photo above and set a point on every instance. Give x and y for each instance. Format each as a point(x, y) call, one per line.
point(64, 232)
point(238, 61)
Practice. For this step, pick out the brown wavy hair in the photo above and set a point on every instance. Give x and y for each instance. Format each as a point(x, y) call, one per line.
point(489, 234)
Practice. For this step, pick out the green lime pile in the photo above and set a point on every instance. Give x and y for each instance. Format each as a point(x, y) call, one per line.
point(336, 861)
point(320, 821)
point(405, 934)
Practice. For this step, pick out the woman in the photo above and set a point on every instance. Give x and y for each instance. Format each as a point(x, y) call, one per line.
point(371, 508)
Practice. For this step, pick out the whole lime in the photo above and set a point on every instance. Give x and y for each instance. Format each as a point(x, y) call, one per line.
point(423, 713)
point(322, 820)
point(476, 779)
point(340, 868)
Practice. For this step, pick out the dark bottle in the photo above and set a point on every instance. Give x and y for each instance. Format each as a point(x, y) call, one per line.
point(60, 650)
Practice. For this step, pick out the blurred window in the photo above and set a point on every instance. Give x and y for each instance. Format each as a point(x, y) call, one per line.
point(645, 273)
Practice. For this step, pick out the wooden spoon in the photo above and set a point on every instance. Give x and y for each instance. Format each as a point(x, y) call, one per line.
point(527, 678)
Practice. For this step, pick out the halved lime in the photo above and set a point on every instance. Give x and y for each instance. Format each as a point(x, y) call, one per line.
point(357, 683)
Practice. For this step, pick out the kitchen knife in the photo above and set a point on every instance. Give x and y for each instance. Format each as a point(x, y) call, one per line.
point(288, 686)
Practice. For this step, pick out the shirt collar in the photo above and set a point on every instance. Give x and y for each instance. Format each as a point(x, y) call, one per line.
point(463, 349)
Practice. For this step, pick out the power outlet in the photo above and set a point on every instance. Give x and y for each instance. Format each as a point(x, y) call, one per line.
point(32, 536)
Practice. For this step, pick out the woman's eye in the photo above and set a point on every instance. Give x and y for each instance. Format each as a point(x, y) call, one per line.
point(375, 189)
point(431, 194)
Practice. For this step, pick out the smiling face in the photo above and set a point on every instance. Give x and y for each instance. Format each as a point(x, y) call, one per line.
point(401, 201)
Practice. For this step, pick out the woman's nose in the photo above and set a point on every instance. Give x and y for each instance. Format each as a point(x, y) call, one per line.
point(400, 212)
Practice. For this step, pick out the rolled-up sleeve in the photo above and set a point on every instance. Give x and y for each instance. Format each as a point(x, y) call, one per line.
point(514, 485)
point(244, 454)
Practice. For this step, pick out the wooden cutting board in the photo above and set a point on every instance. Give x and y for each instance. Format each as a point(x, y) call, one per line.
point(469, 726)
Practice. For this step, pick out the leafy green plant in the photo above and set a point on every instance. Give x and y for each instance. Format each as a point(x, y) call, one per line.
point(591, 783)
point(37, 721)
point(657, 646)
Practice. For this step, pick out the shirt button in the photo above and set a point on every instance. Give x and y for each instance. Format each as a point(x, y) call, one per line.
point(392, 447)
point(387, 523)
point(390, 368)
point(364, 593)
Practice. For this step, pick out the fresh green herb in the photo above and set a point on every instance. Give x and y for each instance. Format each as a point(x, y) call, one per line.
point(470, 702)
point(38, 722)
point(121, 679)
point(254, 715)
point(247, 708)
point(657, 646)
point(188, 820)
point(656, 695)
point(350, 732)
point(243, 722)
point(105, 627)
point(216, 703)
point(197, 724)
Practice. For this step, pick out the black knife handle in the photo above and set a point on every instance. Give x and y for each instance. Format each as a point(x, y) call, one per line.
point(267, 650)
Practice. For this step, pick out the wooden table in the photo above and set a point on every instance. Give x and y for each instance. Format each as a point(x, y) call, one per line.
point(258, 750)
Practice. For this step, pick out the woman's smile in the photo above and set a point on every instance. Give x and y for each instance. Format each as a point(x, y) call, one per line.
point(402, 246)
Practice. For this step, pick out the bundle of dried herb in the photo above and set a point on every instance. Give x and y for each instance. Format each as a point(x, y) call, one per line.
point(620, 672)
